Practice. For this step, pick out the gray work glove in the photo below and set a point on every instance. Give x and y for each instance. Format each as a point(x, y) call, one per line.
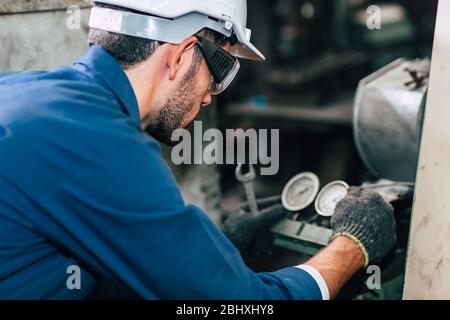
point(242, 227)
point(366, 218)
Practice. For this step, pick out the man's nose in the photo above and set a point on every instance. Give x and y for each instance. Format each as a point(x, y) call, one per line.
point(207, 100)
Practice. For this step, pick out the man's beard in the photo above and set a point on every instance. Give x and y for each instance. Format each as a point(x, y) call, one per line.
point(179, 105)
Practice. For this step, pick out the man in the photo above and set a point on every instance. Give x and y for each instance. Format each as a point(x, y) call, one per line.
point(84, 191)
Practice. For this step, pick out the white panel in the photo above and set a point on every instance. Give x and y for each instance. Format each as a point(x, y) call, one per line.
point(428, 261)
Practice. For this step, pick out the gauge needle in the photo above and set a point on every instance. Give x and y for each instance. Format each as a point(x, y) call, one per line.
point(300, 191)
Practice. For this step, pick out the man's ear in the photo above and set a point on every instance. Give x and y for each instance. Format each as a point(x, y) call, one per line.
point(177, 56)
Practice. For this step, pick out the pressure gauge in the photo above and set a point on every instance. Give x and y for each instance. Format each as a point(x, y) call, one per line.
point(300, 191)
point(329, 196)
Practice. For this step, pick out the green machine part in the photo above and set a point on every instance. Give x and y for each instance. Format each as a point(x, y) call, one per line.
point(300, 236)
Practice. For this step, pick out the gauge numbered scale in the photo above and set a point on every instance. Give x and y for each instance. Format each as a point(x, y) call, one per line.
point(329, 196)
point(300, 191)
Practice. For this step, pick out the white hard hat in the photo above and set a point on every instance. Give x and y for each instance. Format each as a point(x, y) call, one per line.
point(173, 21)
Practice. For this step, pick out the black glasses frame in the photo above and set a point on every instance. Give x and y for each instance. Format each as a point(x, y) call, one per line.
point(220, 63)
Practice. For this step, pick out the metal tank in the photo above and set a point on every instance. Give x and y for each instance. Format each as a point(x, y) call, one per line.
point(388, 117)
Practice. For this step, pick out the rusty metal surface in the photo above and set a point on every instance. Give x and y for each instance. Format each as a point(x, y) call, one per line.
point(19, 6)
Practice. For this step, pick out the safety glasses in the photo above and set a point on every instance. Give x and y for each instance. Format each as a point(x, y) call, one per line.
point(222, 65)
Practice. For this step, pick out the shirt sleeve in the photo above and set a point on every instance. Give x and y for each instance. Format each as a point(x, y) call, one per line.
point(125, 219)
point(313, 272)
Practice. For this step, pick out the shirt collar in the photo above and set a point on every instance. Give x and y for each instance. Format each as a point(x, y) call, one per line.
point(100, 63)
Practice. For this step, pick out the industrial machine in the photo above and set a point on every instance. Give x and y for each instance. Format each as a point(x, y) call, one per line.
point(388, 116)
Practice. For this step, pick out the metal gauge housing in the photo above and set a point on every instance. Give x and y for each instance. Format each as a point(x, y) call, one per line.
point(329, 196)
point(300, 191)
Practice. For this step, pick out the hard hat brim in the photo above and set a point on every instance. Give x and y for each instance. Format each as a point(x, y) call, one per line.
point(246, 50)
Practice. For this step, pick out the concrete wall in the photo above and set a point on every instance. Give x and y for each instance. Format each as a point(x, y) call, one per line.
point(19, 6)
point(34, 34)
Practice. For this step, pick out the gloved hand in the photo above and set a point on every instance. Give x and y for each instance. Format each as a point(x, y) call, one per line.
point(367, 219)
point(242, 227)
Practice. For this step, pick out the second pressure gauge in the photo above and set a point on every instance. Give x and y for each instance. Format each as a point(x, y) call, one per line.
point(300, 191)
point(329, 196)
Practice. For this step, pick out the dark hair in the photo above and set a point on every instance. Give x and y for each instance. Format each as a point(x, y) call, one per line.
point(130, 51)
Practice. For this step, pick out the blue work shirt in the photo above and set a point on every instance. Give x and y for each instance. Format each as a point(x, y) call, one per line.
point(82, 186)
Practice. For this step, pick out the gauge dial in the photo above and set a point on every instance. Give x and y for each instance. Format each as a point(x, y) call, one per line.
point(329, 196)
point(300, 191)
